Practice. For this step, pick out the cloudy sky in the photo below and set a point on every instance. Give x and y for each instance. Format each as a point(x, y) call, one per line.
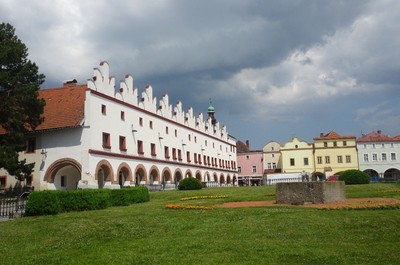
point(273, 69)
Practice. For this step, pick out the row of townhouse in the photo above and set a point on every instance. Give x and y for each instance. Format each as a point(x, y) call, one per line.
point(101, 135)
point(329, 154)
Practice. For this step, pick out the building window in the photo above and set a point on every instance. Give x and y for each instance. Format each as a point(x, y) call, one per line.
point(306, 161)
point(269, 166)
point(166, 130)
point(189, 137)
point(325, 144)
point(327, 159)
point(247, 157)
point(344, 143)
point(340, 159)
point(254, 169)
point(199, 158)
point(272, 155)
point(374, 157)
point(195, 157)
point(373, 145)
point(3, 182)
point(153, 149)
point(166, 151)
point(176, 133)
point(122, 143)
point(391, 145)
point(188, 156)
point(292, 162)
point(122, 115)
point(106, 140)
point(195, 139)
point(366, 159)
point(174, 153)
point(63, 181)
point(383, 145)
point(239, 170)
point(319, 159)
point(274, 165)
point(334, 143)
point(30, 145)
point(28, 181)
point(151, 124)
point(179, 154)
point(103, 109)
point(365, 146)
point(140, 121)
point(393, 156)
point(272, 148)
point(348, 159)
point(384, 157)
point(140, 147)
point(205, 142)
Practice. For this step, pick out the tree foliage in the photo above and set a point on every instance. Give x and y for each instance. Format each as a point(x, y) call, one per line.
point(20, 108)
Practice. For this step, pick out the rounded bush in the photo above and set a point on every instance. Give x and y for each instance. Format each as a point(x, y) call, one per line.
point(43, 203)
point(190, 184)
point(354, 176)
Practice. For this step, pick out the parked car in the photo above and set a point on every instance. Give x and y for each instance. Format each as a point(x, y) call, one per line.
point(333, 178)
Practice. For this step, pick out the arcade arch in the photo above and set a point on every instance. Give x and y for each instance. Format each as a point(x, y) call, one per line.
point(64, 173)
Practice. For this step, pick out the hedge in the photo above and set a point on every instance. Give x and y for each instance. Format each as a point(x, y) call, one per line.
point(57, 201)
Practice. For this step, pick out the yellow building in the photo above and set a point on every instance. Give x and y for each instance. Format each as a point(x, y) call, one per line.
point(334, 153)
point(297, 156)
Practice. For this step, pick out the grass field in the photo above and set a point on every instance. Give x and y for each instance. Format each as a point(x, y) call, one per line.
point(148, 233)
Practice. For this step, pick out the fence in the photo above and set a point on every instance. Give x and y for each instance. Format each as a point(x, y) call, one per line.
point(11, 208)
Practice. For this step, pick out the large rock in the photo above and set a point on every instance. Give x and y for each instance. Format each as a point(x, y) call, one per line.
point(298, 193)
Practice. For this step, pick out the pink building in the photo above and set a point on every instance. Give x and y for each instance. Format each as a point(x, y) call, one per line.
point(250, 165)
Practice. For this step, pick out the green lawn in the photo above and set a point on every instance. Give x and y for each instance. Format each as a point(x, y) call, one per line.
point(148, 233)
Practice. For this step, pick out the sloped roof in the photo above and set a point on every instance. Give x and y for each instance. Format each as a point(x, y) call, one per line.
point(241, 147)
point(376, 137)
point(64, 107)
point(332, 135)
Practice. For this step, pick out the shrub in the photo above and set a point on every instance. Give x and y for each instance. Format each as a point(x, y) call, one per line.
point(57, 201)
point(83, 200)
point(190, 184)
point(43, 203)
point(354, 176)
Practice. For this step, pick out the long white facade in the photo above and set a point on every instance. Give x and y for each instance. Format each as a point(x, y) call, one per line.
point(127, 138)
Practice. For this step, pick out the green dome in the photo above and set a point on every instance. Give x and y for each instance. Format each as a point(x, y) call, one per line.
point(211, 109)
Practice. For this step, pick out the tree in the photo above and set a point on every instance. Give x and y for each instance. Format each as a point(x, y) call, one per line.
point(20, 107)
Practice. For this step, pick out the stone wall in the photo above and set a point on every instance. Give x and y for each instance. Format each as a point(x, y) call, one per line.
point(299, 193)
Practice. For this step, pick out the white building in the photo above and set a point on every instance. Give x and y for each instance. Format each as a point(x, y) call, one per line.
point(108, 135)
point(378, 156)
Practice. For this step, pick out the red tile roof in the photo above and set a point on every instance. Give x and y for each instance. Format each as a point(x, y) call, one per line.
point(332, 135)
point(376, 137)
point(64, 107)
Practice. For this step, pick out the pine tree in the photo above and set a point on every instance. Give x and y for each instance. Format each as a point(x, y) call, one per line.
point(20, 108)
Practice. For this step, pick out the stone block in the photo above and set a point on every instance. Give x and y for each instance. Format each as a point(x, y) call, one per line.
point(298, 193)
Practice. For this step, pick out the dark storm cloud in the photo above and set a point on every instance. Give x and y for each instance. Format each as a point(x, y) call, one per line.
point(299, 65)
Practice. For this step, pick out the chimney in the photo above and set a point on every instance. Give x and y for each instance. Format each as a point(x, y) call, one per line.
point(248, 144)
point(379, 131)
point(321, 135)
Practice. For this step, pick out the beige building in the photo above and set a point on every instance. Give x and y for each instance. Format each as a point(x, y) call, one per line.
point(297, 156)
point(334, 153)
point(272, 158)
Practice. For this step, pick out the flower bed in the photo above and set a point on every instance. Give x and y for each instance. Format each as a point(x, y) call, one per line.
point(203, 197)
point(189, 207)
point(389, 191)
